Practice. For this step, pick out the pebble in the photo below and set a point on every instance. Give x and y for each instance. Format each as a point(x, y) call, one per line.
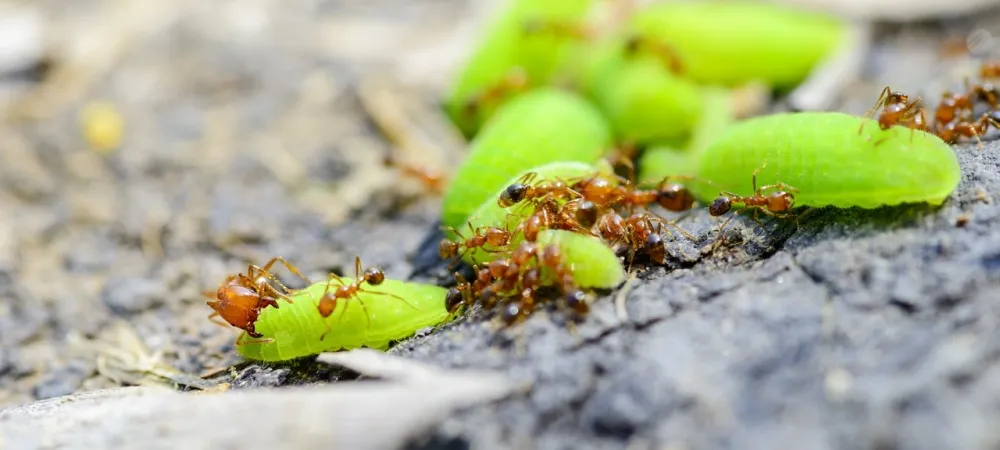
point(130, 295)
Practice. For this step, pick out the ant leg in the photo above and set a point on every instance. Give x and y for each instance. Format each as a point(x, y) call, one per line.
point(662, 221)
point(257, 269)
point(719, 235)
point(214, 318)
point(754, 178)
point(291, 268)
point(357, 269)
point(242, 341)
point(391, 295)
point(780, 186)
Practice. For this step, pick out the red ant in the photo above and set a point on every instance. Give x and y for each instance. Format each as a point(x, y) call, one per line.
point(952, 132)
point(990, 69)
point(548, 214)
point(480, 238)
point(778, 203)
point(374, 276)
point(523, 189)
point(950, 106)
point(897, 110)
point(240, 298)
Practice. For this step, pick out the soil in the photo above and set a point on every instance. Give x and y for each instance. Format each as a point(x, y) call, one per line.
point(246, 138)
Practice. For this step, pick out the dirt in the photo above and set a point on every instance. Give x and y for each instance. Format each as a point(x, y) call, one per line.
point(246, 138)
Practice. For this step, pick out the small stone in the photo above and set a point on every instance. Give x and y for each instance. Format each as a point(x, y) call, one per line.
point(61, 381)
point(130, 295)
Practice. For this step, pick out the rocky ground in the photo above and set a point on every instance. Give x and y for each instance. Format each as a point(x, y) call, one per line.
point(247, 136)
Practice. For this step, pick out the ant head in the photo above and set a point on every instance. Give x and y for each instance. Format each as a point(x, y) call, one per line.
point(551, 254)
point(513, 194)
point(654, 248)
point(577, 301)
point(486, 297)
point(453, 300)
point(236, 304)
point(374, 275)
point(447, 249)
point(720, 206)
point(510, 313)
point(586, 213)
point(675, 197)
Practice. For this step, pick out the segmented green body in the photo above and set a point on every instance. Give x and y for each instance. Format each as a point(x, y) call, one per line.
point(829, 162)
point(733, 42)
point(592, 263)
point(668, 159)
point(543, 126)
point(643, 101)
point(506, 46)
point(295, 329)
point(491, 214)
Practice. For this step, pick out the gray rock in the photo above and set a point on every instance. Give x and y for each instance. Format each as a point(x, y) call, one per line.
point(130, 295)
point(386, 414)
point(62, 381)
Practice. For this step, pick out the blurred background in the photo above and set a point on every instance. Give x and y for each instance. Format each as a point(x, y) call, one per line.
point(148, 149)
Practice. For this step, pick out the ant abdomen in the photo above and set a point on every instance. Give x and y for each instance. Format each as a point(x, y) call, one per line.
point(720, 206)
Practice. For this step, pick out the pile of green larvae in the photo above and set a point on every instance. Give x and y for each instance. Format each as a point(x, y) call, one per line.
point(584, 121)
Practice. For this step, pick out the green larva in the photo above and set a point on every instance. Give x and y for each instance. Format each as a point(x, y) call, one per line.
point(506, 47)
point(664, 160)
point(592, 263)
point(491, 214)
point(641, 98)
point(734, 42)
point(823, 155)
point(294, 329)
point(539, 127)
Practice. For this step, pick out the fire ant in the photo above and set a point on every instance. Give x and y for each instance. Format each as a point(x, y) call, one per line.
point(548, 214)
point(573, 298)
point(778, 203)
point(951, 106)
point(952, 132)
point(897, 109)
point(480, 238)
point(523, 189)
point(990, 69)
point(241, 297)
point(374, 276)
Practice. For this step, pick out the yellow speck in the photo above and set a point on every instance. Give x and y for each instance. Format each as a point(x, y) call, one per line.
point(102, 126)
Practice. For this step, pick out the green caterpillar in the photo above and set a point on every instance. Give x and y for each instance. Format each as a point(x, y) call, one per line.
point(732, 42)
point(294, 329)
point(542, 126)
point(507, 47)
point(829, 161)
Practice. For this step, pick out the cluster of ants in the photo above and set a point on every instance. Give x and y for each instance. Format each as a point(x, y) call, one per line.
point(955, 116)
point(522, 277)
